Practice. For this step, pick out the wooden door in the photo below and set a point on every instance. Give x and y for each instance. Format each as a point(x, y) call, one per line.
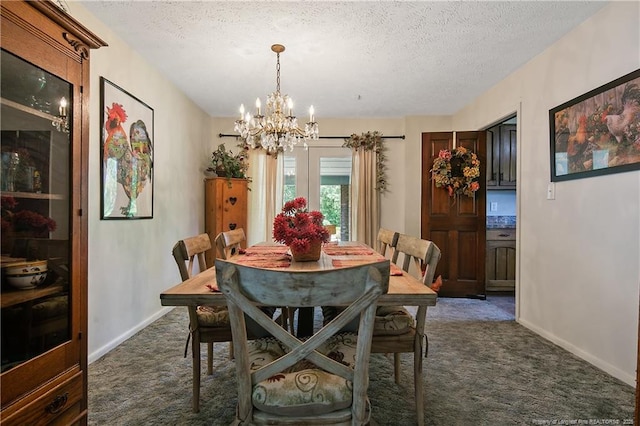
point(456, 224)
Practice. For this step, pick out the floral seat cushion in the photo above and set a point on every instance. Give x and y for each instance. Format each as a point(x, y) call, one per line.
point(213, 316)
point(303, 389)
point(392, 320)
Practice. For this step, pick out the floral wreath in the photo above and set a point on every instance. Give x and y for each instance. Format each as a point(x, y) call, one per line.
point(457, 171)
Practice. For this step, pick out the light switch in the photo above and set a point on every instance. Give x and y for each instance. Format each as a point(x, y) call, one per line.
point(551, 191)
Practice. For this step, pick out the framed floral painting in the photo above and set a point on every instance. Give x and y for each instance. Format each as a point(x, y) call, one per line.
point(126, 156)
point(597, 133)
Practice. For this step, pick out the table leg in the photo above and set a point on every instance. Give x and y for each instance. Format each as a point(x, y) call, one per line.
point(305, 322)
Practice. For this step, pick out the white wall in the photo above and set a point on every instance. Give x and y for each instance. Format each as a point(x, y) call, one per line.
point(579, 254)
point(505, 203)
point(130, 261)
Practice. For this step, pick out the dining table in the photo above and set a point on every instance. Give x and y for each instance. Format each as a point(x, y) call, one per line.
point(201, 289)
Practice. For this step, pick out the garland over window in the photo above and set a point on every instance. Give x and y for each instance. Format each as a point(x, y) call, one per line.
point(372, 141)
point(457, 171)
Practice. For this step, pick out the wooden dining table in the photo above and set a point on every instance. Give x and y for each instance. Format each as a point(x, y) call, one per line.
point(201, 289)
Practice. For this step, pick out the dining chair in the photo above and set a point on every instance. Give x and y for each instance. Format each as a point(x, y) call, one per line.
point(207, 324)
point(396, 329)
point(387, 239)
point(319, 380)
point(229, 243)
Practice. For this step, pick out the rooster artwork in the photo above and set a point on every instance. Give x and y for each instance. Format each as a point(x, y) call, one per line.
point(126, 161)
point(602, 132)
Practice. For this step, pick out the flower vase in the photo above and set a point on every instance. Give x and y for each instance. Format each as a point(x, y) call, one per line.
point(312, 254)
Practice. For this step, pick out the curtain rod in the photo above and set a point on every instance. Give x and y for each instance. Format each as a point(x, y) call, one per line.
point(224, 135)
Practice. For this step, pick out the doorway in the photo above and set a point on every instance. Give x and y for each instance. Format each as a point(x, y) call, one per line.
point(323, 176)
point(501, 181)
point(501, 236)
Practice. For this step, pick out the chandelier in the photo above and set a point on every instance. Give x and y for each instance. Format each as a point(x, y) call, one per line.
point(278, 129)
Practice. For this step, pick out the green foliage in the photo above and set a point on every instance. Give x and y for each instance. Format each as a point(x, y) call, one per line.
point(372, 141)
point(330, 203)
point(227, 164)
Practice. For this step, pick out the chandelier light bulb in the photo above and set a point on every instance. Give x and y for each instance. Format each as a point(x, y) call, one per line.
point(61, 122)
point(63, 107)
point(290, 107)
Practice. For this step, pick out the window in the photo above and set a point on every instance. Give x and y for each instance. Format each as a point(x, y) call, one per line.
point(323, 176)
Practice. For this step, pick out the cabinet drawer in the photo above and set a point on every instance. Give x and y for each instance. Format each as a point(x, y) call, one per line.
point(501, 234)
point(49, 407)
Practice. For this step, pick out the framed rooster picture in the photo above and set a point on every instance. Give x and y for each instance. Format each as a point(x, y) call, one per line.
point(126, 157)
point(597, 133)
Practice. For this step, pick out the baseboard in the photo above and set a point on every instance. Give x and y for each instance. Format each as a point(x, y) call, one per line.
point(629, 379)
point(96, 355)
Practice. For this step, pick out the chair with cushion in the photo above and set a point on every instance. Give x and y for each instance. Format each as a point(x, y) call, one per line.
point(396, 329)
point(319, 380)
point(207, 324)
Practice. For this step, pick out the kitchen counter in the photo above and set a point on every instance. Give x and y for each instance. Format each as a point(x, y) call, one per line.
point(501, 222)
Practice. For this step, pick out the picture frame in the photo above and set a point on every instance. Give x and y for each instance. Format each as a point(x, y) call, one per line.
point(126, 154)
point(597, 133)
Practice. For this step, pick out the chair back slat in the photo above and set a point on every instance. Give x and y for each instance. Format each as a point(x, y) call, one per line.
point(419, 252)
point(305, 288)
point(228, 243)
point(188, 252)
point(387, 240)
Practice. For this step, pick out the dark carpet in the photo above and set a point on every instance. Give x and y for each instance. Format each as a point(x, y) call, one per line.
point(483, 369)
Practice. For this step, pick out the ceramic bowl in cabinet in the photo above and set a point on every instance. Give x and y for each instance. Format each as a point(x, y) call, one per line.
point(26, 275)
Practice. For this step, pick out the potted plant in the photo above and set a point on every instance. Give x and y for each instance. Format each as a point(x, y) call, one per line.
point(301, 230)
point(224, 163)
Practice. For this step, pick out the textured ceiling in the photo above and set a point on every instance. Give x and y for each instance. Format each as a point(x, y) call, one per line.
point(348, 59)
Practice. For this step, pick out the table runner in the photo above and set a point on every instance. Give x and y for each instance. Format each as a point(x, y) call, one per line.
point(333, 249)
point(265, 257)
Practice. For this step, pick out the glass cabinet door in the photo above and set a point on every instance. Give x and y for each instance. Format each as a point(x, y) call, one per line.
point(35, 129)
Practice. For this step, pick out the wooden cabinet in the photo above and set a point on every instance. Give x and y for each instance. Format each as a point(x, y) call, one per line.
point(501, 157)
point(225, 203)
point(44, 141)
point(501, 259)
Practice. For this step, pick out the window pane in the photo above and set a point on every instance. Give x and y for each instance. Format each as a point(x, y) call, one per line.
point(35, 184)
point(322, 175)
point(289, 178)
point(335, 175)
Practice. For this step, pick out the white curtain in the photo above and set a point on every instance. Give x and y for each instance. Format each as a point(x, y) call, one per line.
point(265, 196)
point(365, 200)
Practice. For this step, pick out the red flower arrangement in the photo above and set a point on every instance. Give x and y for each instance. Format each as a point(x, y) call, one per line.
point(297, 227)
point(24, 220)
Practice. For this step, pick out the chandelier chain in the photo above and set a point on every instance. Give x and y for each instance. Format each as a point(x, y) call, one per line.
point(278, 72)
